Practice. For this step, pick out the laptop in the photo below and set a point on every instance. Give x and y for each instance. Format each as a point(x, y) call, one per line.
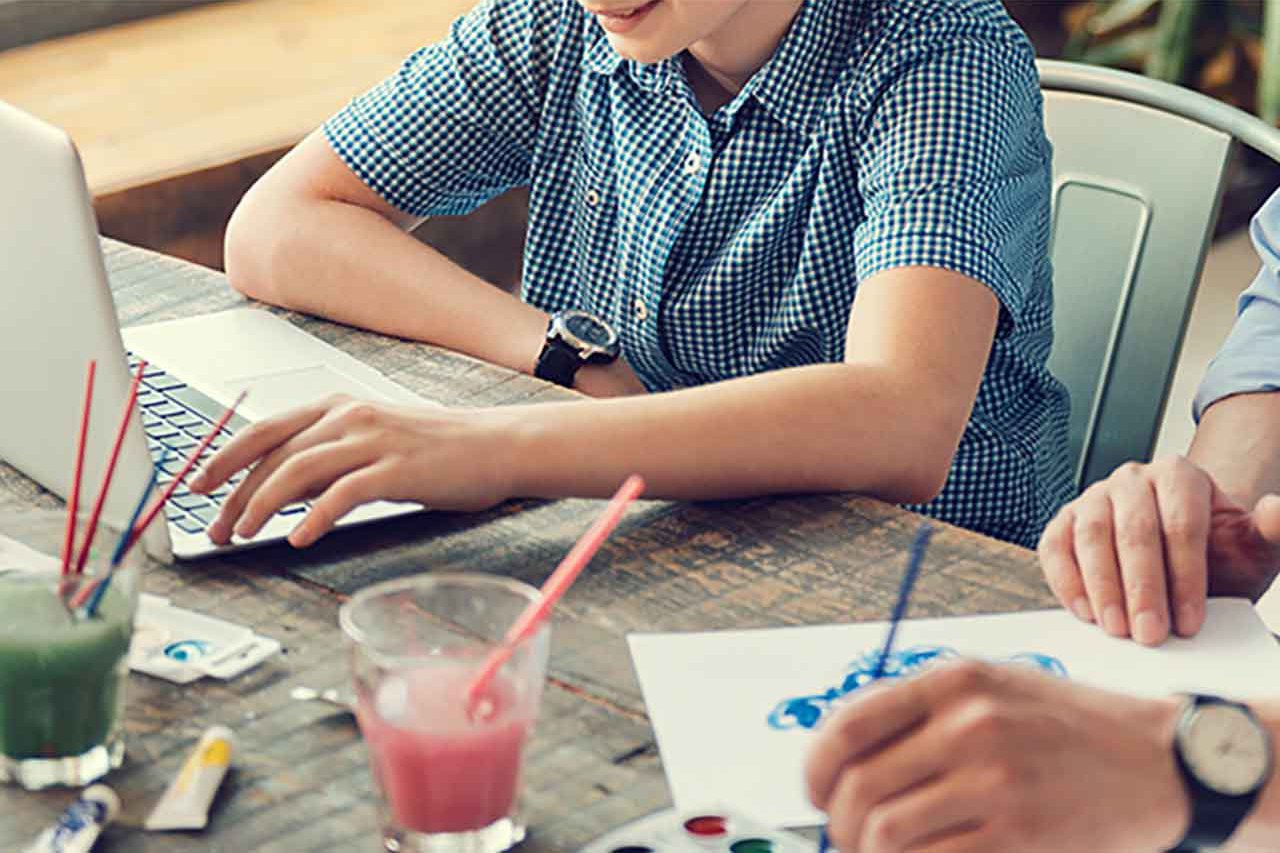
point(57, 313)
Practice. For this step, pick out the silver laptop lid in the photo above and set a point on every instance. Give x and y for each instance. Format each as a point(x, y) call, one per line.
point(56, 313)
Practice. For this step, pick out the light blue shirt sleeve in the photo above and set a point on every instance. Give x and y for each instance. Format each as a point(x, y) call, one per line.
point(1249, 361)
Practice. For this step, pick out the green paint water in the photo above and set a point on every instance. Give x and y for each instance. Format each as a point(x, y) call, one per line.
point(60, 679)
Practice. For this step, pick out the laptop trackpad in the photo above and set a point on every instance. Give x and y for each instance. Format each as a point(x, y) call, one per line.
point(273, 393)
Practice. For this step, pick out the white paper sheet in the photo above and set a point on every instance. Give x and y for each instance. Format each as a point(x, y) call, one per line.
point(710, 695)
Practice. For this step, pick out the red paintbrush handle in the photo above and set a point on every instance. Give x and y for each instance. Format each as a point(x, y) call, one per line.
point(200, 448)
point(73, 499)
point(100, 501)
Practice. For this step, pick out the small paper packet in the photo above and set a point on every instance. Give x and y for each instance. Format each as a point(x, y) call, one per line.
point(182, 646)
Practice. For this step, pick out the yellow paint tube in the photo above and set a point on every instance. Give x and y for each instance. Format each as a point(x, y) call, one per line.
point(185, 804)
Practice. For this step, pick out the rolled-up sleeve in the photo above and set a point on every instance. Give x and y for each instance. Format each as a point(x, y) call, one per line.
point(1249, 361)
point(956, 167)
point(456, 125)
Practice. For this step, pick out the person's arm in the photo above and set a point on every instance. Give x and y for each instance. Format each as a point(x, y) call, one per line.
point(313, 237)
point(976, 757)
point(1139, 551)
point(1238, 444)
point(1238, 439)
point(885, 422)
point(324, 231)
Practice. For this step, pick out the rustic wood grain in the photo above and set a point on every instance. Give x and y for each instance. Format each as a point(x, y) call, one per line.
point(301, 782)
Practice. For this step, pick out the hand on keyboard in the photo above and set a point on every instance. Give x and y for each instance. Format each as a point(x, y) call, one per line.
point(343, 452)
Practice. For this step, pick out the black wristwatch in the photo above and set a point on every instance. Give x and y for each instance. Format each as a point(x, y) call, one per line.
point(574, 338)
point(1224, 754)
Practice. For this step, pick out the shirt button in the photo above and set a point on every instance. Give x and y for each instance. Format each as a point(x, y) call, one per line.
point(642, 310)
point(592, 198)
point(693, 164)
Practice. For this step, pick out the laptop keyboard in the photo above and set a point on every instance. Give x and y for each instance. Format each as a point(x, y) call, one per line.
point(177, 417)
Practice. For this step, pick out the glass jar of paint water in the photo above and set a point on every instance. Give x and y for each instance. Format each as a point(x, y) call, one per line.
point(447, 769)
point(64, 642)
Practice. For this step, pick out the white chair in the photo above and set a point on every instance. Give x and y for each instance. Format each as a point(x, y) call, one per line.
point(1138, 174)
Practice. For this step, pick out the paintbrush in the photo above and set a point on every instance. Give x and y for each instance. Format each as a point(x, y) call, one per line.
point(914, 559)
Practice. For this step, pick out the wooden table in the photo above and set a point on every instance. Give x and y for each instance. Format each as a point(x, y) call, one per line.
point(300, 780)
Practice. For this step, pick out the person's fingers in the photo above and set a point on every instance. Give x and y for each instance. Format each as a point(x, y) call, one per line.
point(1096, 556)
point(872, 719)
point(1266, 517)
point(234, 504)
point(908, 762)
point(1058, 560)
point(1184, 496)
point(341, 497)
point(875, 720)
point(252, 443)
point(950, 805)
point(304, 473)
point(969, 838)
point(1140, 554)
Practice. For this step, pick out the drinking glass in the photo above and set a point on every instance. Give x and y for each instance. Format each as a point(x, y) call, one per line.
point(62, 671)
point(447, 773)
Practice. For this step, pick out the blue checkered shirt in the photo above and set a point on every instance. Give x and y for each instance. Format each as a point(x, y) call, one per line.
point(881, 134)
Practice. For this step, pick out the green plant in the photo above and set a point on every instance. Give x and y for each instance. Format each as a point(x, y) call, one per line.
point(1227, 48)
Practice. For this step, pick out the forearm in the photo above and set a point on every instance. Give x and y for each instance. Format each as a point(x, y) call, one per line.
point(1238, 444)
point(833, 427)
point(349, 264)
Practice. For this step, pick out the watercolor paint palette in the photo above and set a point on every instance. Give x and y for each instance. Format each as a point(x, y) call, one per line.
point(713, 831)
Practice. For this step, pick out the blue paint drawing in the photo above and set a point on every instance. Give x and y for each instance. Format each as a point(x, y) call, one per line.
point(805, 712)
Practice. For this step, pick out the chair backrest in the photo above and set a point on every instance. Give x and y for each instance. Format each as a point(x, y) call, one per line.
point(1138, 173)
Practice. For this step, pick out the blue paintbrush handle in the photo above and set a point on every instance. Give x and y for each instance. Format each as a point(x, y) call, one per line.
point(914, 559)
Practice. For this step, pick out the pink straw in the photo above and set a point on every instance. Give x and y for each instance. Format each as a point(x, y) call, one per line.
point(555, 586)
point(96, 512)
point(73, 499)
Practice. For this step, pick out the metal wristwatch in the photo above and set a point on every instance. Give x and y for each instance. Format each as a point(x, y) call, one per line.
point(574, 338)
point(1224, 755)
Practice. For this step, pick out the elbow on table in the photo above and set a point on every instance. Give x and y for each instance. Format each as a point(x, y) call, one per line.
point(915, 481)
point(250, 248)
point(912, 469)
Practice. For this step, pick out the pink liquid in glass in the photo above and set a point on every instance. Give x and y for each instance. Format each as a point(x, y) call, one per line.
point(439, 770)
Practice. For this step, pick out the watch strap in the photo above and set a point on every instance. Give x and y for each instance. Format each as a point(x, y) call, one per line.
point(558, 362)
point(1214, 816)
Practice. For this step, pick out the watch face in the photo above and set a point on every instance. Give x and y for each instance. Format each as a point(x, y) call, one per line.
point(1228, 751)
point(588, 329)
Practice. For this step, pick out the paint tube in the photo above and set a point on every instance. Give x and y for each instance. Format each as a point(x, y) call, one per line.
point(185, 805)
point(78, 827)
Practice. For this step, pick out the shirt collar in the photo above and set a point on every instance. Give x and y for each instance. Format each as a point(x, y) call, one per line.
point(602, 59)
point(795, 83)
